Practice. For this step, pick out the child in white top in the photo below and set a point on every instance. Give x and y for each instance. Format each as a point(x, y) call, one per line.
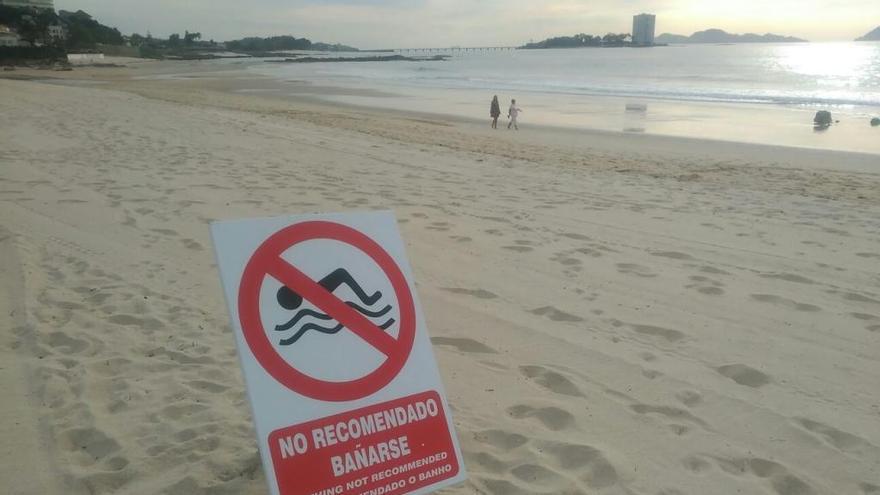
point(512, 113)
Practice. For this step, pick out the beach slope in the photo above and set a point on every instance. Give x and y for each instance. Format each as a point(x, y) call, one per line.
point(615, 315)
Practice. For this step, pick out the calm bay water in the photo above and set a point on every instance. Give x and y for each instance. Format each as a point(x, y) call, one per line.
point(714, 91)
point(835, 74)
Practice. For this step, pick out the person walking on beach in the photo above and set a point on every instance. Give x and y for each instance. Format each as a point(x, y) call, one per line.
point(512, 113)
point(495, 111)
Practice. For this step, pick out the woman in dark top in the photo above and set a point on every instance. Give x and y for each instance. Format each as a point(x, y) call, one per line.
point(495, 112)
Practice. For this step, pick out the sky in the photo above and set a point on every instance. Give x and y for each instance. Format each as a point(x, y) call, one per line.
point(444, 23)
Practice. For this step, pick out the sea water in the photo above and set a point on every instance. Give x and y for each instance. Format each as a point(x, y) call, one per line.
point(678, 89)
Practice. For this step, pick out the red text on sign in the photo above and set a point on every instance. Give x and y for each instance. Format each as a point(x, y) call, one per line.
point(390, 448)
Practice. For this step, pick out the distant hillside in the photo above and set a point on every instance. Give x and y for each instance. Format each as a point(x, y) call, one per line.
point(872, 36)
point(280, 43)
point(719, 36)
point(85, 32)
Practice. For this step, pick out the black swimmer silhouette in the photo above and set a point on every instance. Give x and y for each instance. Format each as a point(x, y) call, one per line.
point(288, 299)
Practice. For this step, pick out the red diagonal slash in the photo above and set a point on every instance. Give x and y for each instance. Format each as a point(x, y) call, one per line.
point(310, 290)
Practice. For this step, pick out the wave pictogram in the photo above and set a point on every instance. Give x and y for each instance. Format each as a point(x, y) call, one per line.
point(304, 319)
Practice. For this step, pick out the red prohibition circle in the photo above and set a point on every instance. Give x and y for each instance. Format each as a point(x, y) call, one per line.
point(267, 261)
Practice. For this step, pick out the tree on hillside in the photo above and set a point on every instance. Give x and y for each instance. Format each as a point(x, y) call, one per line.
point(30, 23)
point(614, 39)
point(275, 43)
point(85, 32)
point(189, 37)
point(174, 40)
point(136, 39)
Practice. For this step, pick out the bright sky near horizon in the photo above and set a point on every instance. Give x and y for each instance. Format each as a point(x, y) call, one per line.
point(440, 23)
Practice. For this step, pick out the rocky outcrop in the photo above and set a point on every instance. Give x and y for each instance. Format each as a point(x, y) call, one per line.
point(822, 119)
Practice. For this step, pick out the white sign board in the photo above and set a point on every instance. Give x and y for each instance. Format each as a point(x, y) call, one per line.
point(341, 376)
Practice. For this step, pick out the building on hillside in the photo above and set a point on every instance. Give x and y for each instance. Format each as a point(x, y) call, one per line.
point(57, 32)
point(40, 4)
point(8, 37)
point(643, 29)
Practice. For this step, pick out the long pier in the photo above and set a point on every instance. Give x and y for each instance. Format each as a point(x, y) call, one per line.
point(454, 49)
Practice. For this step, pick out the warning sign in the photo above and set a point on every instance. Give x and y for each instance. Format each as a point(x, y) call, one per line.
point(341, 376)
point(394, 447)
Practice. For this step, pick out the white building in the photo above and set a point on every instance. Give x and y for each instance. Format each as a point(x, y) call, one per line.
point(57, 32)
point(643, 29)
point(8, 37)
point(40, 4)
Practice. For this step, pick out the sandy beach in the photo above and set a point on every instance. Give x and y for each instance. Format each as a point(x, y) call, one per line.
point(612, 313)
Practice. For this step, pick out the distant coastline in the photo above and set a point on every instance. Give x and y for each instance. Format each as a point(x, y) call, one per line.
point(872, 36)
point(612, 40)
point(721, 36)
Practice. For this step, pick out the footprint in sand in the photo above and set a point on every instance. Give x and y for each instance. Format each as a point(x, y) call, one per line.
point(744, 375)
point(555, 314)
point(501, 439)
point(587, 463)
point(864, 316)
point(537, 475)
point(713, 270)
point(788, 277)
point(503, 487)
point(191, 244)
point(853, 296)
point(485, 462)
point(673, 255)
point(787, 303)
point(635, 269)
point(150, 324)
point(478, 293)
point(553, 418)
point(840, 440)
point(551, 380)
point(597, 252)
point(696, 464)
point(464, 345)
point(577, 237)
point(207, 386)
point(67, 345)
point(664, 333)
point(705, 285)
point(777, 476)
point(91, 441)
point(565, 260)
point(869, 488)
point(183, 410)
point(439, 226)
point(689, 398)
point(675, 414)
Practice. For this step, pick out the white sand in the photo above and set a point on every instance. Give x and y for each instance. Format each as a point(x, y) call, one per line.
point(611, 315)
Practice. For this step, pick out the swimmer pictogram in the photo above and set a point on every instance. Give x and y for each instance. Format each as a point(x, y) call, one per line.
point(288, 299)
point(368, 318)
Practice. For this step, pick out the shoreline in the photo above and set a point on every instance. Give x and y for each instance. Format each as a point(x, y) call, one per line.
point(234, 79)
point(772, 125)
